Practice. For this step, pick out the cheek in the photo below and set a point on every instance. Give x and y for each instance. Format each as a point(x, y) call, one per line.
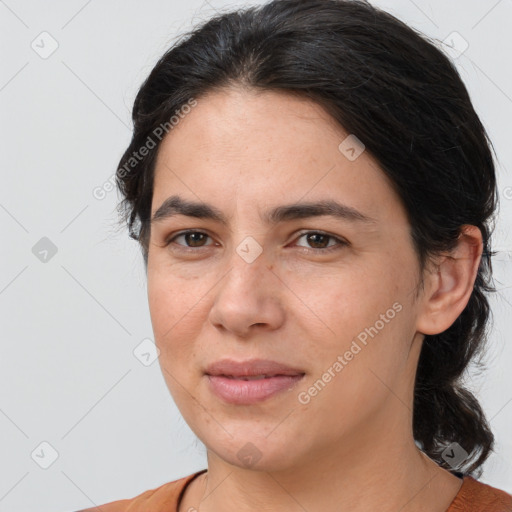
point(377, 327)
point(360, 314)
point(171, 311)
point(171, 297)
point(171, 327)
point(341, 302)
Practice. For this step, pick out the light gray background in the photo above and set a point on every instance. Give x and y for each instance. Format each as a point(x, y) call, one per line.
point(69, 325)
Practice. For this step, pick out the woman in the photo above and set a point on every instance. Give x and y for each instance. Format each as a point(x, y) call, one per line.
point(312, 191)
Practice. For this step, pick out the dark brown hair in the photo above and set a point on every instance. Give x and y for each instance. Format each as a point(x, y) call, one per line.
point(403, 98)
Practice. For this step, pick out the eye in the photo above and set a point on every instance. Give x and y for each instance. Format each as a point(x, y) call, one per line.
point(319, 239)
point(195, 238)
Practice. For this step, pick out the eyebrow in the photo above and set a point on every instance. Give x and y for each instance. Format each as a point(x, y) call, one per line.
point(175, 205)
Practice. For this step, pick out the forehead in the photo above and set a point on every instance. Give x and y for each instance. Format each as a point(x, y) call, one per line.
point(261, 146)
point(234, 119)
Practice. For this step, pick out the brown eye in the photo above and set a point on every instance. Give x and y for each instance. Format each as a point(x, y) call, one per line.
point(192, 239)
point(319, 241)
point(195, 239)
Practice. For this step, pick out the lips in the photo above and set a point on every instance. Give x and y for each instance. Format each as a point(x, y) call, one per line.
point(259, 368)
point(250, 382)
point(252, 377)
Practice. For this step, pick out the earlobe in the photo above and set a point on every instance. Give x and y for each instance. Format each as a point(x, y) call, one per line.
point(451, 283)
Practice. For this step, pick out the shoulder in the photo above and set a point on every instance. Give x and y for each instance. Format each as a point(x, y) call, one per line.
point(160, 499)
point(475, 496)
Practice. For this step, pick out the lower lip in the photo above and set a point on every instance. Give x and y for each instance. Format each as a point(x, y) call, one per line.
point(246, 392)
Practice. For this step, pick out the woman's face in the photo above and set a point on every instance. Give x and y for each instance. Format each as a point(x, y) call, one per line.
point(331, 296)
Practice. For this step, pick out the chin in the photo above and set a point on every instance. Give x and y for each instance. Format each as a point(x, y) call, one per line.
point(256, 452)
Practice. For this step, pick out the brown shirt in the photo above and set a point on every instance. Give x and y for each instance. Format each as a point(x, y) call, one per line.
point(473, 496)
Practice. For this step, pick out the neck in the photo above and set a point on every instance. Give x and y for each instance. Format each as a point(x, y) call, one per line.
point(357, 474)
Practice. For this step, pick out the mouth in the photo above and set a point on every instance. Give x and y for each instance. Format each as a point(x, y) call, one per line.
point(251, 390)
point(250, 382)
point(253, 377)
point(261, 368)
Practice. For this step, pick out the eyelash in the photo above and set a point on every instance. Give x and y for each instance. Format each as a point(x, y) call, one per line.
point(341, 243)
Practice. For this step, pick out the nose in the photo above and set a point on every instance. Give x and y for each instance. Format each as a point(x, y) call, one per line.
point(248, 298)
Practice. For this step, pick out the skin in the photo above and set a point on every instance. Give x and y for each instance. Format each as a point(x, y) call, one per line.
point(351, 447)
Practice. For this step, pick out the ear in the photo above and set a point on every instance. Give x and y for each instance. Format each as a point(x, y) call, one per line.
point(449, 286)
